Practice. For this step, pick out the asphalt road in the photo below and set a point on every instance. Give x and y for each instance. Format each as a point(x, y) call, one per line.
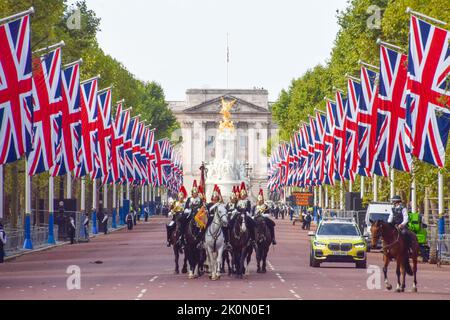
point(130, 265)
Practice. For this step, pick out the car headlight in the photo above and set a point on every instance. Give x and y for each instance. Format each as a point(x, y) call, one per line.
point(360, 245)
point(319, 244)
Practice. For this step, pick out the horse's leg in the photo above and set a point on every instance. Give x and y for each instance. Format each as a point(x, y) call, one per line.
point(414, 289)
point(258, 260)
point(400, 270)
point(385, 271)
point(177, 256)
point(266, 250)
point(249, 259)
point(185, 269)
point(219, 261)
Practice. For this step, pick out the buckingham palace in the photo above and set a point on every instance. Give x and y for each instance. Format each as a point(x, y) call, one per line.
point(199, 117)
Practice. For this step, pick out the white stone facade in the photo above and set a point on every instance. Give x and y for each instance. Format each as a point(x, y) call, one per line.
point(199, 117)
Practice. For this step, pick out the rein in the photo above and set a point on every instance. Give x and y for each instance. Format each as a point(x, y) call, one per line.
point(393, 243)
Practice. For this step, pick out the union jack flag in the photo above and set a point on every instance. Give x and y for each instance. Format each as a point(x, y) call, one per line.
point(15, 90)
point(120, 124)
point(128, 149)
point(351, 128)
point(104, 132)
point(138, 174)
point(428, 88)
point(150, 155)
point(394, 136)
point(367, 123)
point(143, 156)
point(71, 122)
point(319, 147)
point(162, 161)
point(339, 135)
point(89, 118)
point(309, 178)
point(329, 144)
point(47, 101)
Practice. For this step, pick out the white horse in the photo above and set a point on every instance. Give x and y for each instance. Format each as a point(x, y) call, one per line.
point(215, 240)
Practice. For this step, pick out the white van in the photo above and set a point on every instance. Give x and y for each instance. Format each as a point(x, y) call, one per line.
point(376, 211)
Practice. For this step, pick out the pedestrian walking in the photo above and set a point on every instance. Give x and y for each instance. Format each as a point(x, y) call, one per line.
point(86, 227)
point(72, 229)
point(105, 223)
point(129, 219)
point(2, 243)
point(146, 213)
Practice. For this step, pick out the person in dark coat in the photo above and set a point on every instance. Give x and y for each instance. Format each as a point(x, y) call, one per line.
point(72, 230)
point(2, 243)
point(86, 227)
point(105, 223)
point(129, 219)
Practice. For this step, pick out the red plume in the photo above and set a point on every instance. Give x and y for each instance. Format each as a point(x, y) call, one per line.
point(183, 190)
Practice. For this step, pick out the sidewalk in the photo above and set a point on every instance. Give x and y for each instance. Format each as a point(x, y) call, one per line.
point(16, 254)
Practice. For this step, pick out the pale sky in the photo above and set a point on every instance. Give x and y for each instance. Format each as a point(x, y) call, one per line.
point(182, 44)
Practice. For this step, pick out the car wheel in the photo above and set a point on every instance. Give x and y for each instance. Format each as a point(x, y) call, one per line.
point(313, 262)
point(361, 264)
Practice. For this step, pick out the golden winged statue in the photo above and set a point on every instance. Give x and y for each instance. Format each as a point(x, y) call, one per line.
point(226, 112)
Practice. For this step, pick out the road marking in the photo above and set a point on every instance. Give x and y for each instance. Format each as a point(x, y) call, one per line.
point(292, 291)
point(153, 279)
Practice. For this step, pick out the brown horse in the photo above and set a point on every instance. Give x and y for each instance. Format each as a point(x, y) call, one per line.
point(396, 248)
point(194, 254)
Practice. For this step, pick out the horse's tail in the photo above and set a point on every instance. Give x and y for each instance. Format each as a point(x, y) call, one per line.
point(407, 265)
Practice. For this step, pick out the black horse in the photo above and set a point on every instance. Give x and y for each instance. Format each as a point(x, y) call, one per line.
point(240, 241)
point(177, 246)
point(194, 254)
point(263, 242)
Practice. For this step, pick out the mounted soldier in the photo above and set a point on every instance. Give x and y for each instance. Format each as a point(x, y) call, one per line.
point(244, 206)
point(261, 209)
point(212, 207)
point(176, 212)
point(193, 205)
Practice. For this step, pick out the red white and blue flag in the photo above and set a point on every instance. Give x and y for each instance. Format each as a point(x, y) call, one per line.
point(16, 107)
point(351, 129)
point(339, 136)
point(120, 123)
point(329, 144)
point(394, 135)
point(367, 124)
point(428, 89)
point(70, 123)
point(47, 102)
point(104, 133)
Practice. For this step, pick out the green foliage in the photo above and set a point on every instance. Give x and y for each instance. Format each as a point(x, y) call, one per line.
point(356, 40)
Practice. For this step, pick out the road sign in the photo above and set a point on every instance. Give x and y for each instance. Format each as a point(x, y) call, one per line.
point(304, 199)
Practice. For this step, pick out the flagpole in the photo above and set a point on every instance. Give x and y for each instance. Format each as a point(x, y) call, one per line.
point(1, 192)
point(69, 185)
point(440, 195)
point(83, 196)
point(413, 191)
point(17, 16)
point(375, 188)
point(105, 198)
point(94, 206)
point(28, 244)
point(51, 210)
point(421, 15)
point(362, 187)
point(114, 207)
point(350, 186)
point(326, 197)
point(342, 195)
point(392, 183)
point(121, 215)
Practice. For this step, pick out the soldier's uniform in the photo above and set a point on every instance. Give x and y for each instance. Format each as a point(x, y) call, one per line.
point(244, 206)
point(176, 211)
point(261, 209)
point(399, 217)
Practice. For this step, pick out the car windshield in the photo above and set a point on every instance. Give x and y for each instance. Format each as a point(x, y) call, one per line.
point(379, 217)
point(338, 229)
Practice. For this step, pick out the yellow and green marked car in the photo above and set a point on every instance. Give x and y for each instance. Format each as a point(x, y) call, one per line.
point(338, 240)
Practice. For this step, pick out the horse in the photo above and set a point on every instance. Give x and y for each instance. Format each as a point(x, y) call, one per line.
point(215, 241)
point(240, 239)
point(396, 248)
point(263, 242)
point(192, 251)
point(177, 246)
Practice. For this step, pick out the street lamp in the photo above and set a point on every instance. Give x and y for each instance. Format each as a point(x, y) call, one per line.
point(248, 173)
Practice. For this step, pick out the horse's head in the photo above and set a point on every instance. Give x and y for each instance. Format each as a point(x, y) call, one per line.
point(240, 223)
point(377, 231)
point(222, 216)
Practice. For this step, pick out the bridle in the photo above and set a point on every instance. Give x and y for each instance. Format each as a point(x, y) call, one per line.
point(220, 224)
point(238, 236)
point(385, 247)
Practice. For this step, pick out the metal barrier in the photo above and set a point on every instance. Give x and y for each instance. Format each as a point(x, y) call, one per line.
point(16, 238)
point(443, 250)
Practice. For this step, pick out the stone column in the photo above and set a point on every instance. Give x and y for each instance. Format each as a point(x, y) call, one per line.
point(186, 130)
point(252, 145)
